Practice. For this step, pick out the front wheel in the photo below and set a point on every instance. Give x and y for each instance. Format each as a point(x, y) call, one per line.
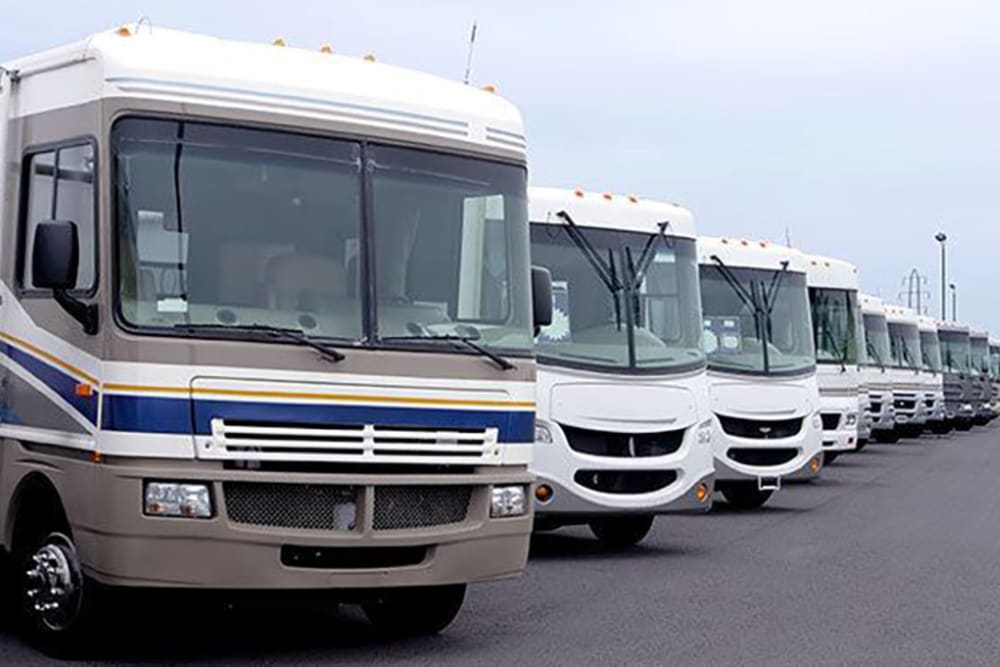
point(621, 532)
point(830, 457)
point(423, 610)
point(744, 495)
point(862, 443)
point(887, 437)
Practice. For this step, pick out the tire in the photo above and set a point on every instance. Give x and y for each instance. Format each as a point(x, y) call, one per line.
point(963, 425)
point(887, 437)
point(744, 495)
point(44, 565)
point(621, 532)
point(830, 457)
point(416, 611)
point(862, 443)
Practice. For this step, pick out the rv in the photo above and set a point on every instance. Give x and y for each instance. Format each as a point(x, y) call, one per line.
point(931, 375)
point(266, 324)
point(833, 297)
point(982, 386)
point(956, 359)
point(875, 373)
point(623, 424)
point(995, 375)
point(904, 370)
point(761, 368)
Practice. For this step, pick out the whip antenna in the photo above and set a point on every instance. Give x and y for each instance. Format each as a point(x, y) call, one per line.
point(468, 59)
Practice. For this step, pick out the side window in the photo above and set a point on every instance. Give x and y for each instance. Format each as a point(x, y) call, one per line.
point(60, 186)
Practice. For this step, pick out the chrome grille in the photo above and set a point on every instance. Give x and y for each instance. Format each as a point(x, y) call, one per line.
point(301, 506)
point(398, 507)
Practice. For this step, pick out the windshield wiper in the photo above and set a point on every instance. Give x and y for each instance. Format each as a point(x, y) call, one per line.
point(605, 271)
point(468, 341)
point(874, 353)
point(752, 301)
point(296, 336)
point(841, 354)
point(639, 268)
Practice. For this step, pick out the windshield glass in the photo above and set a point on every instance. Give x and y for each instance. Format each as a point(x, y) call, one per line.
point(904, 345)
point(930, 351)
point(834, 325)
point(877, 340)
point(632, 302)
point(238, 226)
point(954, 351)
point(732, 336)
point(980, 350)
point(995, 362)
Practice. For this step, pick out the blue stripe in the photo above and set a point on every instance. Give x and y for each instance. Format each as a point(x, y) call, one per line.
point(179, 415)
point(60, 382)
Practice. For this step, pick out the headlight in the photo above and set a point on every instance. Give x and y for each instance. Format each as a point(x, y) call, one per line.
point(852, 419)
point(542, 433)
point(193, 501)
point(705, 432)
point(507, 501)
point(817, 422)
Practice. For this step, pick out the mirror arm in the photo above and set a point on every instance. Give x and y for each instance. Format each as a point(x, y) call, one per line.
point(84, 313)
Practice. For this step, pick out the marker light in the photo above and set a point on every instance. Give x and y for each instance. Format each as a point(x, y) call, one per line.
point(369, 58)
point(84, 389)
point(578, 192)
point(123, 31)
point(326, 48)
point(490, 88)
point(508, 501)
point(607, 196)
point(633, 199)
point(177, 499)
point(701, 493)
point(544, 493)
point(814, 464)
point(279, 42)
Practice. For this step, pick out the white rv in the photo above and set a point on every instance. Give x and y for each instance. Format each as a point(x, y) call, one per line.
point(623, 428)
point(833, 297)
point(995, 376)
point(982, 386)
point(931, 374)
point(956, 359)
point(266, 323)
point(761, 367)
point(875, 373)
point(904, 370)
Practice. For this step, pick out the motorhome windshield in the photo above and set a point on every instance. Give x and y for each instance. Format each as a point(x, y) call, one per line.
point(904, 345)
point(980, 351)
point(877, 340)
point(995, 362)
point(955, 351)
point(834, 313)
point(623, 300)
point(756, 320)
point(930, 351)
point(239, 226)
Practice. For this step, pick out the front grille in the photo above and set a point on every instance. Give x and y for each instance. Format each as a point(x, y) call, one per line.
point(929, 402)
point(625, 481)
point(604, 443)
point(762, 457)
point(876, 408)
point(904, 404)
point(761, 429)
point(399, 507)
point(351, 558)
point(301, 506)
point(831, 420)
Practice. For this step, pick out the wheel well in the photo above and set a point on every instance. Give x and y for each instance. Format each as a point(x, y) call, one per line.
point(35, 509)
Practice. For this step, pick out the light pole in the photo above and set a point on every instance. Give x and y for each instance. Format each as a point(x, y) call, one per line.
point(954, 302)
point(941, 238)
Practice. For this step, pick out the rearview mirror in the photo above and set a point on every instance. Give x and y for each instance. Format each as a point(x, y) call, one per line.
point(55, 262)
point(541, 297)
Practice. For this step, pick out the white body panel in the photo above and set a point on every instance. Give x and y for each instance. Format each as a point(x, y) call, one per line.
point(617, 402)
point(933, 382)
point(760, 399)
point(876, 378)
point(908, 385)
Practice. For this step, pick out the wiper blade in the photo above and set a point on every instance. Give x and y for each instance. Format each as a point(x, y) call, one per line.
point(296, 336)
point(841, 354)
point(639, 268)
point(502, 363)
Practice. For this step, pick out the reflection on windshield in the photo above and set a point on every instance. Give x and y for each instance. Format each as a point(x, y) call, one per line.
point(930, 351)
point(877, 339)
point(834, 313)
point(979, 349)
point(904, 345)
point(621, 299)
point(738, 326)
point(221, 225)
point(955, 351)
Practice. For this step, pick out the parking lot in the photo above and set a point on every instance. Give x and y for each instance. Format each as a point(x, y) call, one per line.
point(892, 558)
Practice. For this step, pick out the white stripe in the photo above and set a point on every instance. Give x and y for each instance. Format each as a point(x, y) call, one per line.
point(47, 436)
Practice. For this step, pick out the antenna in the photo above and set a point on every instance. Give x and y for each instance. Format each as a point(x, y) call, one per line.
point(468, 59)
point(788, 236)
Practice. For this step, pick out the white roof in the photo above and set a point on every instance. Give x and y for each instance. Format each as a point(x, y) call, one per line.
point(948, 325)
point(157, 63)
point(831, 273)
point(927, 323)
point(609, 211)
point(901, 315)
point(979, 333)
point(871, 305)
point(743, 253)
point(994, 342)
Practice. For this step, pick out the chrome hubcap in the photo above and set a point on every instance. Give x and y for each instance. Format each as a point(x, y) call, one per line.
point(52, 584)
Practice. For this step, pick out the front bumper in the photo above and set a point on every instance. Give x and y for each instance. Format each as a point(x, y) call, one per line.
point(910, 410)
point(884, 417)
point(805, 464)
point(119, 545)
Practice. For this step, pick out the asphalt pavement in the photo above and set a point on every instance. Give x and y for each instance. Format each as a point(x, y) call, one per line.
point(892, 558)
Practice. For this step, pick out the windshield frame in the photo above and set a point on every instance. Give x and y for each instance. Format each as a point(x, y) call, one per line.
point(368, 338)
point(882, 358)
point(628, 297)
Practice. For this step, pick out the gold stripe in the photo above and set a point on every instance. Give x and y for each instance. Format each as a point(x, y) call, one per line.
point(48, 357)
point(134, 388)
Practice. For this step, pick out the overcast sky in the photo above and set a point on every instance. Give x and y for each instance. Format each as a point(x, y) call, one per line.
point(863, 126)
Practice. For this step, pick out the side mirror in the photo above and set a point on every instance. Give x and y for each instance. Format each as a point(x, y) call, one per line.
point(55, 257)
point(541, 297)
point(55, 262)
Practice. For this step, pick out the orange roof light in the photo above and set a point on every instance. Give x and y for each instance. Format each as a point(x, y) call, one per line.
point(763, 244)
point(633, 199)
point(326, 48)
point(490, 88)
point(726, 241)
point(578, 192)
point(84, 390)
point(607, 196)
point(279, 42)
point(369, 58)
point(123, 31)
point(744, 242)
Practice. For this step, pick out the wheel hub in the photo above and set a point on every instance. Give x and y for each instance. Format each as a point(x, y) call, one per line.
point(52, 584)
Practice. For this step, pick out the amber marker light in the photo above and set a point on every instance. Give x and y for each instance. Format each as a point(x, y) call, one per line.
point(814, 465)
point(84, 390)
point(701, 492)
point(544, 493)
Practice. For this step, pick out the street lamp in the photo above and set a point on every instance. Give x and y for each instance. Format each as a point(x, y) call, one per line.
point(954, 302)
point(941, 237)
